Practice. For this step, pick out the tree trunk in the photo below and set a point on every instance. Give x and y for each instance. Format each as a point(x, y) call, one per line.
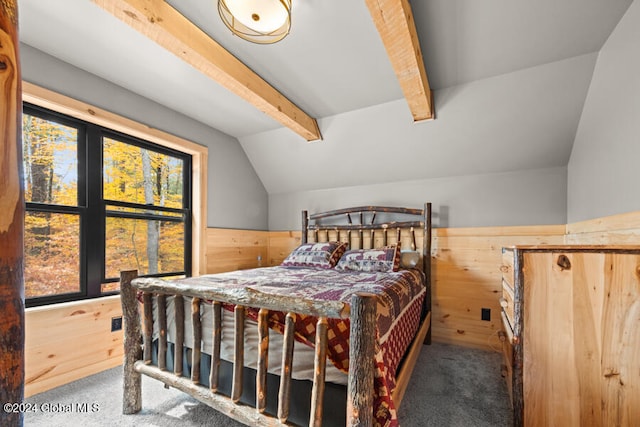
point(11, 219)
point(152, 226)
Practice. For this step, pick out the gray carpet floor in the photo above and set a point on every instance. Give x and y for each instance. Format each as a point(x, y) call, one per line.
point(451, 386)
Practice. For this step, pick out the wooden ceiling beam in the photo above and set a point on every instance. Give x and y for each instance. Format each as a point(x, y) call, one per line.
point(160, 22)
point(394, 21)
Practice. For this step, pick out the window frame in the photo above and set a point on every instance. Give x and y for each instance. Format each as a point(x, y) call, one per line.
point(79, 209)
point(95, 118)
point(186, 201)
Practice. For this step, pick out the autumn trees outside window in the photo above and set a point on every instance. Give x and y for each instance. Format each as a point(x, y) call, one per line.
point(99, 202)
point(52, 218)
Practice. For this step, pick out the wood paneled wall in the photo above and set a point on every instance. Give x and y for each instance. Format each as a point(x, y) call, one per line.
point(281, 243)
point(66, 342)
point(623, 229)
point(233, 249)
point(466, 278)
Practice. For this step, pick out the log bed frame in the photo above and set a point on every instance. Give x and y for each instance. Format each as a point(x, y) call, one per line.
point(362, 315)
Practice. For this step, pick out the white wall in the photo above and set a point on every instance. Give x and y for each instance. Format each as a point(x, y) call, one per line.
point(529, 197)
point(495, 155)
point(236, 199)
point(522, 120)
point(604, 168)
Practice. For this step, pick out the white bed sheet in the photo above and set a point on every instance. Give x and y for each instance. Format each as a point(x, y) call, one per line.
point(303, 355)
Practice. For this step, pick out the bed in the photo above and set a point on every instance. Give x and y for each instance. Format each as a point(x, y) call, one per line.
point(329, 337)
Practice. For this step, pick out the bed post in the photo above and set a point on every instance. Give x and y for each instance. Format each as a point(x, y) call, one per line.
point(305, 225)
point(132, 383)
point(426, 263)
point(361, 355)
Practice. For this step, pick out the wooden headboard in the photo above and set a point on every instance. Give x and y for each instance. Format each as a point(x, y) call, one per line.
point(366, 227)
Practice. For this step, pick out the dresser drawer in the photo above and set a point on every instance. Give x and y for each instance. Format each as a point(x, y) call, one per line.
point(507, 303)
point(507, 267)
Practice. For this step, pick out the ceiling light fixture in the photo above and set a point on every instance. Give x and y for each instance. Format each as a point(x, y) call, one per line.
point(257, 21)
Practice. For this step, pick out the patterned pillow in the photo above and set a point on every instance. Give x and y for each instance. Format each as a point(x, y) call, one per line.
point(385, 259)
point(319, 255)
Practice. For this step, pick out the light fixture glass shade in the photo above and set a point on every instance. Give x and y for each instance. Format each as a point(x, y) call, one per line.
point(258, 21)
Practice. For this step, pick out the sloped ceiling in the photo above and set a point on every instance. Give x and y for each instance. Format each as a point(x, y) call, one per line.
point(509, 76)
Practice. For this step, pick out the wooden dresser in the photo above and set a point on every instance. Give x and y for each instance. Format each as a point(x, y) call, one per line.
point(571, 315)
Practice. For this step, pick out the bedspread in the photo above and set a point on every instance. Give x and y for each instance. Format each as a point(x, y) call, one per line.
point(400, 295)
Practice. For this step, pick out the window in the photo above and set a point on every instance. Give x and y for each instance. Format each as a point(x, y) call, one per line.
point(143, 193)
point(53, 198)
point(99, 202)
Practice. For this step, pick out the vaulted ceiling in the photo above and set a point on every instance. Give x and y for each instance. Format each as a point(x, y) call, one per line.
point(497, 68)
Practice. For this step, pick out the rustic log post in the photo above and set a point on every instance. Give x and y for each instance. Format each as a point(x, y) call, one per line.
point(238, 358)
point(11, 218)
point(319, 368)
point(360, 233)
point(197, 340)
point(263, 360)
point(162, 326)
point(305, 225)
point(361, 354)
point(214, 374)
point(413, 238)
point(284, 392)
point(147, 333)
point(132, 383)
point(178, 304)
point(426, 263)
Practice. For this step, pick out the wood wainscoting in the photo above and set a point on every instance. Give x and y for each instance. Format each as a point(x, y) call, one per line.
point(465, 265)
point(234, 249)
point(622, 229)
point(467, 278)
point(68, 341)
point(281, 244)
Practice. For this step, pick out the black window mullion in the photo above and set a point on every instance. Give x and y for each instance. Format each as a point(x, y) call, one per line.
point(186, 204)
point(142, 206)
point(130, 215)
point(82, 202)
point(42, 207)
point(95, 218)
